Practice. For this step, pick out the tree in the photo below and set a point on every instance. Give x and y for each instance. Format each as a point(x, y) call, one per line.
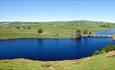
point(105, 25)
point(40, 31)
point(85, 31)
point(17, 27)
point(78, 33)
point(90, 33)
point(28, 27)
point(24, 27)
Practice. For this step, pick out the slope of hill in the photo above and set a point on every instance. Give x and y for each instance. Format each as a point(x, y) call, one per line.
point(57, 29)
point(98, 62)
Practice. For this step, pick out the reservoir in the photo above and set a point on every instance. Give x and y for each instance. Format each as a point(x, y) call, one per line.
point(52, 49)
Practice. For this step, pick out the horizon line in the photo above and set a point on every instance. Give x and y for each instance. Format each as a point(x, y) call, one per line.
point(56, 21)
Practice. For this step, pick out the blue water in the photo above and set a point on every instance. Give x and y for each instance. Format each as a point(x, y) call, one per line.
point(106, 32)
point(51, 49)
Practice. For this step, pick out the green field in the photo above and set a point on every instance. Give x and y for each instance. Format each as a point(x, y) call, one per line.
point(63, 29)
point(13, 30)
point(98, 62)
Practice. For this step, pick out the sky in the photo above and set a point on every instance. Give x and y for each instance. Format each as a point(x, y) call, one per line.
point(57, 10)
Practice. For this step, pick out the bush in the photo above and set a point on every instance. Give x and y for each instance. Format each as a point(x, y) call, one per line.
point(105, 25)
point(109, 48)
point(104, 50)
point(85, 31)
point(40, 31)
point(96, 52)
point(78, 33)
point(28, 27)
point(17, 27)
point(90, 33)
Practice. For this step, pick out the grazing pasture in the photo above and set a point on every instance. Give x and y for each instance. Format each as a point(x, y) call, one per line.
point(62, 29)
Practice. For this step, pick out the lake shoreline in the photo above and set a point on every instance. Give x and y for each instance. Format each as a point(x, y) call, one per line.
point(53, 48)
point(38, 38)
point(83, 36)
point(98, 62)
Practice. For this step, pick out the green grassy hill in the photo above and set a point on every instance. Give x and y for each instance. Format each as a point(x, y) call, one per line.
point(59, 29)
point(98, 62)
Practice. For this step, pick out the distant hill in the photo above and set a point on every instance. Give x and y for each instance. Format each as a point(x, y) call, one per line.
point(58, 22)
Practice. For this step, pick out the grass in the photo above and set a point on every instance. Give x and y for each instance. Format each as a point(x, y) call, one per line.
point(98, 62)
point(50, 29)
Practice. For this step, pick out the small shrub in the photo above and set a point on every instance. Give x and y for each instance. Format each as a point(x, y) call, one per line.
point(40, 31)
point(17, 27)
point(104, 50)
point(109, 48)
point(96, 52)
point(90, 33)
point(28, 27)
point(105, 25)
point(85, 31)
point(78, 33)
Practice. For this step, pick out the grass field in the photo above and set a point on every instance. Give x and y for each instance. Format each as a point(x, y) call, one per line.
point(98, 62)
point(55, 30)
point(50, 29)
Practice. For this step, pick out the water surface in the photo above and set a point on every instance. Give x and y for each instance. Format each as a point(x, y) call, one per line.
point(51, 49)
point(106, 32)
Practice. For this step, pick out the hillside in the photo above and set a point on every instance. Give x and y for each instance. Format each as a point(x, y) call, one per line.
point(59, 29)
point(98, 62)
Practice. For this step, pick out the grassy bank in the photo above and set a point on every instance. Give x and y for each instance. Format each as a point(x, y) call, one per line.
point(98, 62)
point(12, 30)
